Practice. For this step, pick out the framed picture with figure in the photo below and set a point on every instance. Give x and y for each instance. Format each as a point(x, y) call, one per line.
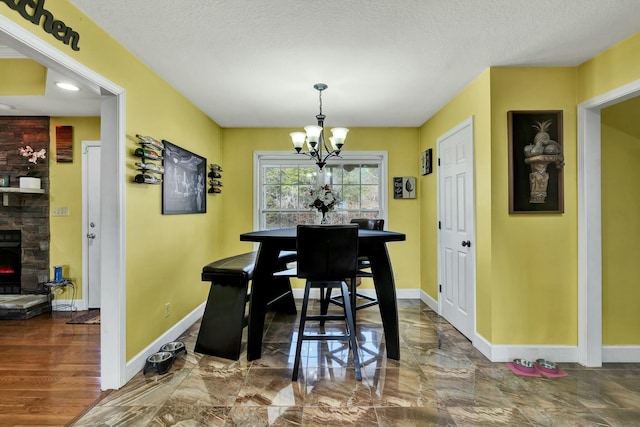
point(184, 181)
point(536, 162)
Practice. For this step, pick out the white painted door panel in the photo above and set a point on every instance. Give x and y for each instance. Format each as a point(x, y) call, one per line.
point(456, 208)
point(92, 218)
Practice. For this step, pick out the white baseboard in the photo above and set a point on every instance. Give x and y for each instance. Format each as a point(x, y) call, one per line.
point(620, 354)
point(429, 301)
point(136, 364)
point(506, 353)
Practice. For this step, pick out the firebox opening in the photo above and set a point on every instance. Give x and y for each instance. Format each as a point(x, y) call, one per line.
point(10, 261)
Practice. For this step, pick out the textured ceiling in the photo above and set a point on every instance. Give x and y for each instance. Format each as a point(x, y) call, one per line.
point(387, 63)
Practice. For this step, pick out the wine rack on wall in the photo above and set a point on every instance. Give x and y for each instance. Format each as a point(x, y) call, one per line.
point(215, 174)
point(149, 158)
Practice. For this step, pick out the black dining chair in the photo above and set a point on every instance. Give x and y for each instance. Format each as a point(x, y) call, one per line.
point(327, 254)
point(363, 271)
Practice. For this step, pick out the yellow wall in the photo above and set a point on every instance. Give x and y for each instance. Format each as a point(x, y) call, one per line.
point(620, 223)
point(66, 191)
point(609, 70)
point(22, 77)
point(165, 254)
point(404, 160)
point(534, 255)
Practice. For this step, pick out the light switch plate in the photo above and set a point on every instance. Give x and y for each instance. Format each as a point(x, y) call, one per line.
point(61, 211)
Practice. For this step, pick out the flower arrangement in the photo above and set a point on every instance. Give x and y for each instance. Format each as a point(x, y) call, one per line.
point(32, 155)
point(323, 199)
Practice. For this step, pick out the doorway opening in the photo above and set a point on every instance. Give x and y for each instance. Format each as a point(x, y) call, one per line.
point(112, 135)
point(590, 222)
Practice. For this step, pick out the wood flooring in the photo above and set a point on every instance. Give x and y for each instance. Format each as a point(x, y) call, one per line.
point(49, 371)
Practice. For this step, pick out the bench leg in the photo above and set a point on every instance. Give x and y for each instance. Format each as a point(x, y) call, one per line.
point(222, 323)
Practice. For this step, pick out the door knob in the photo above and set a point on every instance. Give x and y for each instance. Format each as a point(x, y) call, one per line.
point(466, 243)
point(91, 235)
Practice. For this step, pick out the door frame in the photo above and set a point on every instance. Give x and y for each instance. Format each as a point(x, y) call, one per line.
point(84, 302)
point(590, 222)
point(112, 193)
point(472, 223)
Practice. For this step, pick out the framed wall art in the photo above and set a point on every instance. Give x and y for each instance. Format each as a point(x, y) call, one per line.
point(64, 144)
point(425, 162)
point(184, 181)
point(404, 187)
point(536, 162)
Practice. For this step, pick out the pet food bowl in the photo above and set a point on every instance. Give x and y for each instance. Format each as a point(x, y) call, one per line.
point(176, 348)
point(160, 362)
point(547, 366)
point(524, 365)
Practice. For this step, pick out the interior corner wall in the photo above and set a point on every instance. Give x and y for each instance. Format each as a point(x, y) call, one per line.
point(66, 191)
point(473, 101)
point(534, 268)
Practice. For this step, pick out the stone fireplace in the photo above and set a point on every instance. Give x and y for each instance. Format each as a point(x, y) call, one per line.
point(29, 215)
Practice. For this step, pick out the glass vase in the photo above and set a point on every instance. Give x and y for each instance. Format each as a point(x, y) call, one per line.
point(324, 219)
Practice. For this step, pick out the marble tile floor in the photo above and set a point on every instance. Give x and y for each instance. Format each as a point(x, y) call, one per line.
point(441, 380)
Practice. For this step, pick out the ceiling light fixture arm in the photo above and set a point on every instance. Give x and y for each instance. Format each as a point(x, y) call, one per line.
point(318, 150)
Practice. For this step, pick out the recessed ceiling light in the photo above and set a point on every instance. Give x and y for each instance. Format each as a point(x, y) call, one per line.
point(67, 86)
point(7, 107)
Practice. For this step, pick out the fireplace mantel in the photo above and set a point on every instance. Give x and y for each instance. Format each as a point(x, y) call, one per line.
point(9, 193)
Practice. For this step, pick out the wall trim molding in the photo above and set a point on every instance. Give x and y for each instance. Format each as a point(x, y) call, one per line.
point(137, 362)
point(432, 303)
point(506, 353)
point(621, 353)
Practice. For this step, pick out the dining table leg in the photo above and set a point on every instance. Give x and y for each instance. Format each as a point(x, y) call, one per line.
point(386, 292)
point(264, 289)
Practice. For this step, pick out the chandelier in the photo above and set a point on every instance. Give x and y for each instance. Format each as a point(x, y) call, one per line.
point(317, 147)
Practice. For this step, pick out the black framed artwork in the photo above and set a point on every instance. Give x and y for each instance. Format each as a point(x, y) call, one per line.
point(536, 162)
point(184, 181)
point(425, 162)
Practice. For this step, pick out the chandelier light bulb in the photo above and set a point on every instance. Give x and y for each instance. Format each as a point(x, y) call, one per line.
point(339, 135)
point(313, 134)
point(298, 139)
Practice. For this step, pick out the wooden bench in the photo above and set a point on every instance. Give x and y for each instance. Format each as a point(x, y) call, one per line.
point(224, 316)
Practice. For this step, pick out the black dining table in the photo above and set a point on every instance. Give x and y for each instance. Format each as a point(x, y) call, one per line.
point(265, 288)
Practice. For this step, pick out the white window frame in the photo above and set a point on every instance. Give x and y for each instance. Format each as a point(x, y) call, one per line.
point(273, 157)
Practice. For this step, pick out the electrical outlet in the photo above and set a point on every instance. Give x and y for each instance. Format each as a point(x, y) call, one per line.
point(167, 309)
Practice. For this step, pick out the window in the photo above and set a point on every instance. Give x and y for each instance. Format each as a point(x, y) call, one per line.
point(283, 182)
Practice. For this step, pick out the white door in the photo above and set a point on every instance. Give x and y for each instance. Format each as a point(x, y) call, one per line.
point(91, 177)
point(456, 235)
